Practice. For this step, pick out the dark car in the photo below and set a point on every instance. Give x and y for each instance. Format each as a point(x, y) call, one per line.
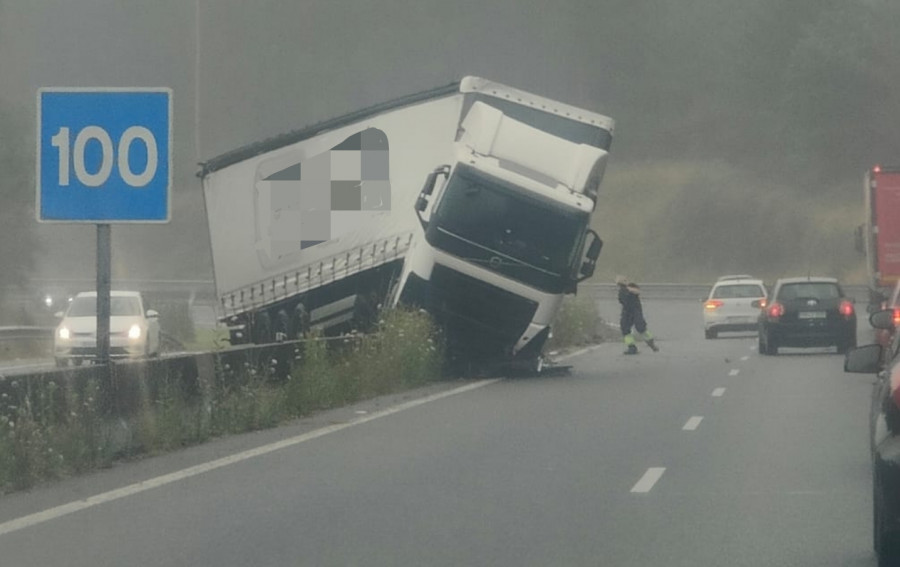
point(884, 435)
point(807, 312)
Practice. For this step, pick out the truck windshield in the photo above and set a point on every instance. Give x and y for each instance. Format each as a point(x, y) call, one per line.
point(483, 221)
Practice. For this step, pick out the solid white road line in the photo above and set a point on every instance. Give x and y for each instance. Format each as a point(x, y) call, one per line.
point(734, 372)
point(131, 490)
point(693, 423)
point(649, 479)
point(718, 392)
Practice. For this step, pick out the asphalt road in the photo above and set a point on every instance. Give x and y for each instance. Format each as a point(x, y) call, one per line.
point(704, 454)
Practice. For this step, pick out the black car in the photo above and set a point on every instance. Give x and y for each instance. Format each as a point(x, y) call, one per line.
point(884, 435)
point(807, 312)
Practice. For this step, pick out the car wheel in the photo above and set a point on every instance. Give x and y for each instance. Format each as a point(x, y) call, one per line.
point(886, 543)
point(846, 344)
point(771, 347)
point(711, 333)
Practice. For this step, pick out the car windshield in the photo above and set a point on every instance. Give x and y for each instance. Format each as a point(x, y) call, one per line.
point(118, 307)
point(738, 290)
point(808, 290)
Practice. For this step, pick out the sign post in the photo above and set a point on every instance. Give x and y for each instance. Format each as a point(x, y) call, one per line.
point(104, 155)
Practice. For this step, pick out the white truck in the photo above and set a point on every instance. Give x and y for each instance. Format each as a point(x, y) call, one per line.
point(317, 227)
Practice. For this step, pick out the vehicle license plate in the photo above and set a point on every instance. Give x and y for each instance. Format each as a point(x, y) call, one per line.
point(811, 315)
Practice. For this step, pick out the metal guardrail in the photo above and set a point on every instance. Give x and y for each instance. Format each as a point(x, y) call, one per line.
point(25, 333)
point(688, 291)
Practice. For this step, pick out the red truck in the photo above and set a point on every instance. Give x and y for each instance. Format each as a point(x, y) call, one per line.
point(879, 237)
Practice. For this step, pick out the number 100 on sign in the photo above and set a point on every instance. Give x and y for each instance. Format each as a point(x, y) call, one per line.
point(104, 155)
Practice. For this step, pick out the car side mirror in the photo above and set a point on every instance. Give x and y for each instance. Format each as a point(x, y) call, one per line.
point(864, 360)
point(152, 314)
point(883, 319)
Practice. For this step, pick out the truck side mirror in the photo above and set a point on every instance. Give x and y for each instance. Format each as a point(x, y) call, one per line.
point(428, 189)
point(595, 248)
point(593, 252)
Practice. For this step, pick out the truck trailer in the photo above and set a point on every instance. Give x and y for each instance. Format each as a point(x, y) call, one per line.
point(878, 238)
point(472, 201)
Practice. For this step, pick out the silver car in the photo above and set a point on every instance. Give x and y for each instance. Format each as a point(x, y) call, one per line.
point(733, 305)
point(133, 332)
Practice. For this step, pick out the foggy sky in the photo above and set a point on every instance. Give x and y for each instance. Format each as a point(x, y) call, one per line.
point(695, 80)
point(267, 67)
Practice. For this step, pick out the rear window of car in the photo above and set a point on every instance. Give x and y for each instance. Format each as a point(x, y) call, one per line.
point(812, 290)
point(738, 290)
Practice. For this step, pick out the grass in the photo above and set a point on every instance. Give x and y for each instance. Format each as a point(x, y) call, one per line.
point(50, 430)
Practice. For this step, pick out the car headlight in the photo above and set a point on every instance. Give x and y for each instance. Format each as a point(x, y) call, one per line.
point(134, 332)
point(64, 333)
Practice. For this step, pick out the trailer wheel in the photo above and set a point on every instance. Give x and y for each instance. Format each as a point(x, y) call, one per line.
point(262, 328)
point(282, 326)
point(300, 320)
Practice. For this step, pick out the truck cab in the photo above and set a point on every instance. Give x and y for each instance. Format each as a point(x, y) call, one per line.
point(506, 235)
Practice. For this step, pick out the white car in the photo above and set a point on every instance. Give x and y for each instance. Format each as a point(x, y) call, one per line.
point(133, 331)
point(733, 305)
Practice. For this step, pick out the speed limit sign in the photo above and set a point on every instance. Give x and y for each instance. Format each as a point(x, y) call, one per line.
point(104, 155)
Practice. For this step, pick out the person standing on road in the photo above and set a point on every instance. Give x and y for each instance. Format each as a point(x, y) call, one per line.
point(633, 316)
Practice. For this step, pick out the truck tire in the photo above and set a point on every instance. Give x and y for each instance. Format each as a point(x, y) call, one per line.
point(262, 328)
point(282, 326)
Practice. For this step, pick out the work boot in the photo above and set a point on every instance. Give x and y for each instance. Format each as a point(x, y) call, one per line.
point(652, 344)
point(632, 349)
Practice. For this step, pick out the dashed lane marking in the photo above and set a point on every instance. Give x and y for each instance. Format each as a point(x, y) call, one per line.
point(647, 482)
point(693, 423)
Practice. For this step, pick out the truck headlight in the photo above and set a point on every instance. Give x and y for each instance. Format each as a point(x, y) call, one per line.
point(134, 332)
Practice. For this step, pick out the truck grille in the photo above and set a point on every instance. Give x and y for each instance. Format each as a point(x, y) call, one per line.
point(478, 316)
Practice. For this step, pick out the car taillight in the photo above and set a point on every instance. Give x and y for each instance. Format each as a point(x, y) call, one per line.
point(713, 304)
point(763, 302)
point(775, 310)
point(897, 316)
point(846, 308)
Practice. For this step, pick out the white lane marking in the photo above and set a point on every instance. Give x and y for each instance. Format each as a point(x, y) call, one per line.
point(745, 357)
point(649, 479)
point(718, 392)
point(131, 490)
point(693, 423)
point(734, 372)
